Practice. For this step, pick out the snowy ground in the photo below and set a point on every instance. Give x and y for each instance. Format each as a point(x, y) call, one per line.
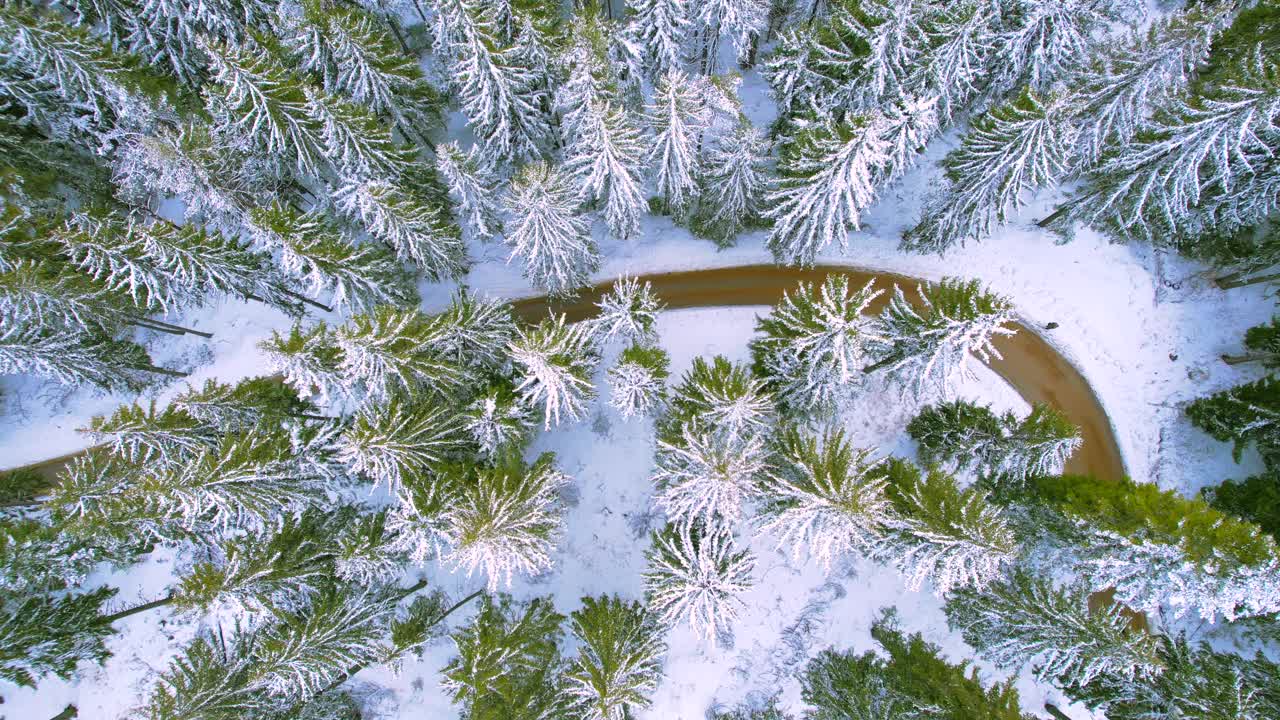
point(1146, 328)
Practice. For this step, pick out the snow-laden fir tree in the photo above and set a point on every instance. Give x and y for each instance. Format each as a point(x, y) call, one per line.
point(103, 249)
point(314, 250)
point(1042, 39)
point(733, 184)
point(496, 420)
point(1158, 549)
point(472, 332)
point(1197, 682)
point(308, 358)
point(45, 635)
point(660, 27)
point(506, 519)
point(967, 436)
point(39, 294)
point(390, 349)
point(250, 402)
point(169, 33)
point(554, 363)
point(472, 183)
point(678, 118)
point(707, 475)
point(894, 35)
point(1019, 146)
point(401, 436)
point(813, 347)
point(930, 343)
point(357, 143)
point(724, 397)
point(619, 664)
point(73, 358)
point(147, 434)
point(259, 106)
point(955, 66)
point(826, 178)
point(742, 21)
point(906, 677)
point(825, 497)
point(419, 229)
point(1244, 415)
point(695, 575)
point(417, 521)
point(605, 154)
point(499, 96)
point(628, 312)
point(1025, 619)
point(547, 232)
point(208, 678)
point(950, 536)
point(638, 381)
point(508, 662)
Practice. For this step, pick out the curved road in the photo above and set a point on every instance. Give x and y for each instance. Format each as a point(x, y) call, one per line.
point(1029, 364)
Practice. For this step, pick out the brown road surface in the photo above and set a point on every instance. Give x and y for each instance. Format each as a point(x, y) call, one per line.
point(1029, 363)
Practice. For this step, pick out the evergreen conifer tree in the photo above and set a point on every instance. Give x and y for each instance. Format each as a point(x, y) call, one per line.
point(733, 184)
point(356, 143)
point(472, 183)
point(309, 359)
point(547, 232)
point(419, 229)
point(400, 437)
point(660, 27)
point(496, 420)
point(827, 172)
point(72, 358)
point(951, 536)
point(506, 519)
point(825, 497)
point(244, 405)
point(390, 349)
point(930, 343)
point(695, 575)
point(1262, 343)
point(972, 437)
point(1024, 619)
point(1244, 415)
point(43, 635)
point(707, 476)
point(628, 311)
point(816, 343)
point(620, 661)
point(554, 367)
point(723, 397)
point(1255, 499)
point(638, 380)
point(508, 663)
point(678, 118)
point(605, 154)
point(149, 435)
point(473, 332)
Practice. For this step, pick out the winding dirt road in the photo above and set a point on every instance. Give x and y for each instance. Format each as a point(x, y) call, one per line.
point(1029, 364)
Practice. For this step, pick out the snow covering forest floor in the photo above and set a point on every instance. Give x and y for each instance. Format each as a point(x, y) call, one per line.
point(1145, 327)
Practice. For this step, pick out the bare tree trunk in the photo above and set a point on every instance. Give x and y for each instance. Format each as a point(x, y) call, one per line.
point(67, 713)
point(1226, 284)
point(163, 371)
point(138, 609)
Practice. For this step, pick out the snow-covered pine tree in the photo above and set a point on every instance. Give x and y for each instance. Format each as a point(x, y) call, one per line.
point(227, 407)
point(638, 380)
point(695, 575)
point(814, 345)
point(733, 184)
point(508, 663)
point(73, 358)
point(955, 65)
point(906, 677)
point(620, 661)
point(930, 343)
point(1159, 549)
point(1042, 39)
point(45, 635)
point(825, 497)
point(628, 312)
point(826, 178)
point(496, 420)
point(472, 183)
point(742, 21)
point(554, 366)
point(500, 97)
point(972, 437)
point(149, 435)
point(722, 396)
point(678, 117)
point(309, 359)
point(38, 294)
point(473, 332)
point(1025, 619)
point(259, 106)
point(102, 248)
point(1244, 415)
point(547, 232)
point(399, 437)
point(950, 536)
point(891, 36)
point(1196, 682)
point(506, 519)
point(390, 349)
point(660, 27)
point(170, 33)
point(417, 522)
point(1016, 147)
point(417, 227)
point(707, 475)
point(605, 154)
point(314, 250)
point(356, 143)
